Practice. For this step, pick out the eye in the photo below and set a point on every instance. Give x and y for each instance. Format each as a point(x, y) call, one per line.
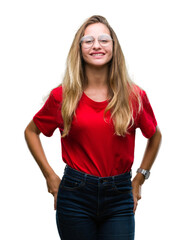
point(88, 41)
point(104, 40)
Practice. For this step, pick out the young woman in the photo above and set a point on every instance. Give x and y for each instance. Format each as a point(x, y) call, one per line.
point(97, 110)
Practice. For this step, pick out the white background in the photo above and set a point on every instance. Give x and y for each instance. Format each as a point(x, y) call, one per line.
point(35, 39)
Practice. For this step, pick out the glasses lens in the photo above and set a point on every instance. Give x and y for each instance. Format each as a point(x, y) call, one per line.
point(104, 40)
point(87, 41)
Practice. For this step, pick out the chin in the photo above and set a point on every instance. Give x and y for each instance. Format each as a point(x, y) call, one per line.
point(98, 64)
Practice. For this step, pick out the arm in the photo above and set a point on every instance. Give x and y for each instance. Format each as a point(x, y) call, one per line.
point(151, 151)
point(34, 144)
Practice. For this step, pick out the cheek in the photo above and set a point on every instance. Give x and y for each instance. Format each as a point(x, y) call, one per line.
point(84, 53)
point(110, 52)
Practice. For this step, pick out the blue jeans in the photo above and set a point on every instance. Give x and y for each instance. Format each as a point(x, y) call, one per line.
point(95, 208)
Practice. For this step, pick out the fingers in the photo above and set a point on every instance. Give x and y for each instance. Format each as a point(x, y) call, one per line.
point(55, 201)
point(49, 191)
point(55, 198)
point(53, 183)
point(136, 199)
point(135, 205)
point(136, 190)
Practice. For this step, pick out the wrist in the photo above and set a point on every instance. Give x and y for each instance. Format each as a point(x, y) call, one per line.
point(49, 173)
point(139, 179)
point(145, 173)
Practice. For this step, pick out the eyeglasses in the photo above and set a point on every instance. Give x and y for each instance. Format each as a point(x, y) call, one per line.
point(88, 41)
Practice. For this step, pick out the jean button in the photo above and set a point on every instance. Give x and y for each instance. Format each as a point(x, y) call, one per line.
point(103, 180)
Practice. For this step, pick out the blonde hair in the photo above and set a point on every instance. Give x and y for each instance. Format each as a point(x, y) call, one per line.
point(122, 90)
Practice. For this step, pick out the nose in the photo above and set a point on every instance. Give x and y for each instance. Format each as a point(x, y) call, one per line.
point(96, 44)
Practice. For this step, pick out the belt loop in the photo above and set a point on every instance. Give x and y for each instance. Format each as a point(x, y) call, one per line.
point(85, 177)
point(113, 178)
point(65, 169)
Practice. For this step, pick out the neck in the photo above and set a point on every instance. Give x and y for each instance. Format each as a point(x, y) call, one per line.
point(97, 76)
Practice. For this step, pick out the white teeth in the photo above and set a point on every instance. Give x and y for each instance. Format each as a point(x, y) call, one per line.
point(98, 54)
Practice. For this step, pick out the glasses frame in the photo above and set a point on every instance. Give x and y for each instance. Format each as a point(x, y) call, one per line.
point(92, 38)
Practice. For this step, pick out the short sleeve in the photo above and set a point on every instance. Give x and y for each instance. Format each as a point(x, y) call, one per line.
point(146, 120)
point(48, 118)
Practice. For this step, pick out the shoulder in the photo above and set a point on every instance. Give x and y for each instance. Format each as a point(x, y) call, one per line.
point(139, 95)
point(143, 101)
point(139, 100)
point(138, 90)
point(136, 96)
point(56, 93)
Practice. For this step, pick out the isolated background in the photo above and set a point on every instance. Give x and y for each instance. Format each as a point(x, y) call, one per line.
point(35, 39)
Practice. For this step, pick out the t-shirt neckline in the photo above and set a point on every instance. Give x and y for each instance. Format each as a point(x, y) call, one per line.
point(94, 103)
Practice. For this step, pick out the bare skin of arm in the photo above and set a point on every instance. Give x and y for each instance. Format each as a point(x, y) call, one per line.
point(151, 151)
point(34, 144)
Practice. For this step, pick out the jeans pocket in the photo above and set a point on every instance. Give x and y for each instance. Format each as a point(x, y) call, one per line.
point(123, 186)
point(70, 183)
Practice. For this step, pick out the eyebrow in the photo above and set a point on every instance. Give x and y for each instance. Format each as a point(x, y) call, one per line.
point(98, 36)
point(86, 36)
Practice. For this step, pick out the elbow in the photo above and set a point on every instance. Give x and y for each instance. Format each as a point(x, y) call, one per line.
point(31, 129)
point(26, 133)
point(158, 135)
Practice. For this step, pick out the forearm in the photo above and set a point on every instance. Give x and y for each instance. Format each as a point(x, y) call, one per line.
point(150, 154)
point(36, 149)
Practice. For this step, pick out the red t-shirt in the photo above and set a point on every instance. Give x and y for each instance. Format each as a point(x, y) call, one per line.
point(91, 146)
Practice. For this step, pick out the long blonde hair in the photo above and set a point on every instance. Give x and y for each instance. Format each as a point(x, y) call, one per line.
point(121, 89)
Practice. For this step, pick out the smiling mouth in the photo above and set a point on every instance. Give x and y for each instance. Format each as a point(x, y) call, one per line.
point(97, 54)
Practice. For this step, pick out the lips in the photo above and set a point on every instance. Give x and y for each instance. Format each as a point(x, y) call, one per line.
point(97, 54)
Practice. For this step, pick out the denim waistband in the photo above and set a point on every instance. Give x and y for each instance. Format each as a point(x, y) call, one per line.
point(95, 179)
